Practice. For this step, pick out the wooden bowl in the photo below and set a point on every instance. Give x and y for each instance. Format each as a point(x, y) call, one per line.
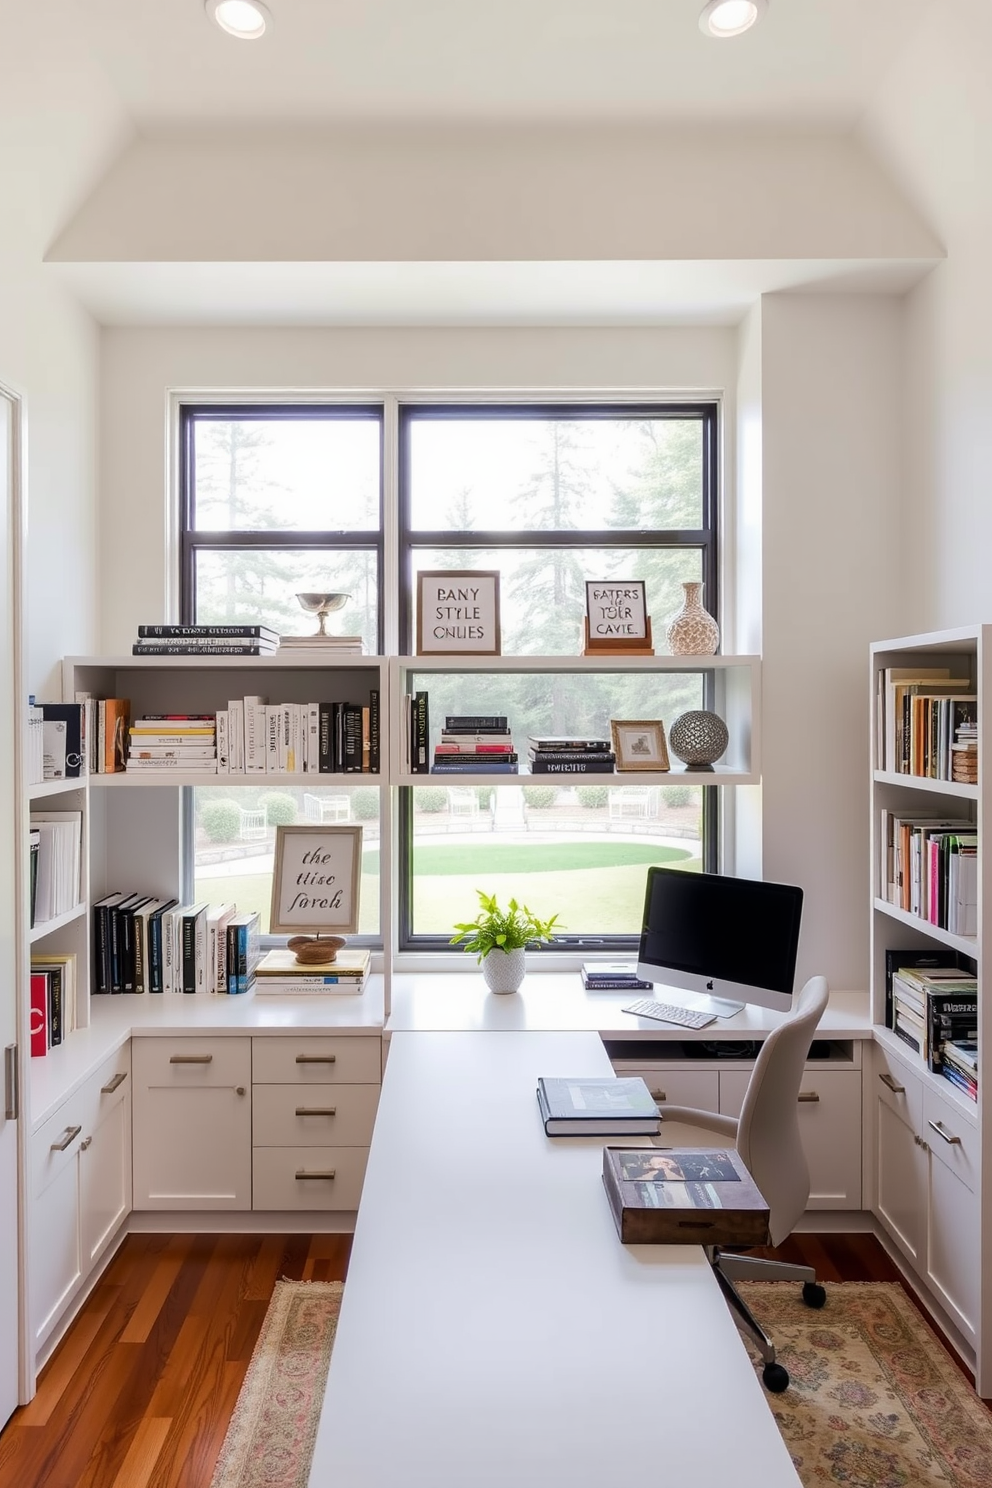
point(313, 951)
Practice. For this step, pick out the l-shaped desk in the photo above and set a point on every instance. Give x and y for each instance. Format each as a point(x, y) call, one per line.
point(494, 1331)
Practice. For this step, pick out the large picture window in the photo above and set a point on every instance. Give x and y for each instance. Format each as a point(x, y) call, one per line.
point(280, 499)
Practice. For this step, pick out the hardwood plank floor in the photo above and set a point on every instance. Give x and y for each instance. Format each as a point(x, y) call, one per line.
point(140, 1392)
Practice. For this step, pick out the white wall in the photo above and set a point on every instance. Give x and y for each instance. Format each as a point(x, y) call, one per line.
point(932, 126)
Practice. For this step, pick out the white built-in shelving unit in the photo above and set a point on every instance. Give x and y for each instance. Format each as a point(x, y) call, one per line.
point(932, 1147)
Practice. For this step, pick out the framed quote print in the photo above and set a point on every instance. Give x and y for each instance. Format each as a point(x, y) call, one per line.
point(315, 880)
point(458, 613)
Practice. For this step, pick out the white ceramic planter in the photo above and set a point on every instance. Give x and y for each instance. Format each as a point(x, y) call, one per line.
point(504, 970)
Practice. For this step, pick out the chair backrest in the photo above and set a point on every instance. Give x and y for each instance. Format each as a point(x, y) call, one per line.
point(768, 1136)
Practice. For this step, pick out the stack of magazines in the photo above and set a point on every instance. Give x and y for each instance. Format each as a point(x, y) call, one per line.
point(205, 640)
point(605, 976)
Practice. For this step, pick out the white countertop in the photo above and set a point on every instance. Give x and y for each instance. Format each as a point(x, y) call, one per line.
point(552, 1001)
point(494, 1332)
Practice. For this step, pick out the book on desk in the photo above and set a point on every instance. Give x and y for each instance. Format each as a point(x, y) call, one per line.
point(683, 1196)
point(587, 1107)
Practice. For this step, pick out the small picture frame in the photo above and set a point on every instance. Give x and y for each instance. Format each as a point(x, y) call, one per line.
point(316, 878)
point(458, 613)
point(616, 610)
point(639, 745)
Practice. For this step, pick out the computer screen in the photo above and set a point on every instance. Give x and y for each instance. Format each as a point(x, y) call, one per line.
point(726, 940)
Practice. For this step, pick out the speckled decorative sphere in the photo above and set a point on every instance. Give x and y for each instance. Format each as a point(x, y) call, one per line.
point(698, 739)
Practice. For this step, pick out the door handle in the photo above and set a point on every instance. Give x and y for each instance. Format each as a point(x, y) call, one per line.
point(12, 1094)
point(658, 1095)
point(190, 1058)
point(887, 1079)
point(316, 1110)
point(302, 1173)
point(71, 1133)
point(938, 1127)
point(316, 1058)
point(114, 1084)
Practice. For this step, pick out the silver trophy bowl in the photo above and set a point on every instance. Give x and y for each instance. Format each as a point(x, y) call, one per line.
point(322, 605)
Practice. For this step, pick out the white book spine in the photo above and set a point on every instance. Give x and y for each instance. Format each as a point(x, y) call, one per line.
point(272, 735)
point(312, 765)
point(282, 726)
point(236, 735)
point(223, 743)
point(254, 736)
point(294, 760)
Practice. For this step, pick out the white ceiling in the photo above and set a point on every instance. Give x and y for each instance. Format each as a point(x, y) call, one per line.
point(331, 60)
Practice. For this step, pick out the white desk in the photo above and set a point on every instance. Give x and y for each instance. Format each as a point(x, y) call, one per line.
point(494, 1331)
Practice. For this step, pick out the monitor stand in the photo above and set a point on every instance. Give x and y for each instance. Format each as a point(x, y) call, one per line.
point(702, 1002)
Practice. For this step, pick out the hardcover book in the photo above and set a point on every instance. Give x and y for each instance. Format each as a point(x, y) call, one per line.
point(590, 1107)
point(683, 1196)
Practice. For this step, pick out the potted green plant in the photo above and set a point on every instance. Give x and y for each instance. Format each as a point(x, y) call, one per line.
point(499, 937)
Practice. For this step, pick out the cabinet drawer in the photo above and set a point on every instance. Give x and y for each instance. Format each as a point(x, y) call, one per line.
point(316, 1061)
point(897, 1088)
point(288, 1116)
point(191, 1063)
point(696, 1088)
point(279, 1181)
point(951, 1138)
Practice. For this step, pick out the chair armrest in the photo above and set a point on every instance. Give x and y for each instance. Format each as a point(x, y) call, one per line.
point(708, 1120)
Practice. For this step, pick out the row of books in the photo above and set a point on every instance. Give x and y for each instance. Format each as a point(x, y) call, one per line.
point(927, 723)
point(928, 866)
point(932, 1005)
point(53, 1000)
point(143, 943)
point(55, 851)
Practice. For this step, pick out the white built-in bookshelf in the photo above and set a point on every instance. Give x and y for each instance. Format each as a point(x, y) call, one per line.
point(932, 1145)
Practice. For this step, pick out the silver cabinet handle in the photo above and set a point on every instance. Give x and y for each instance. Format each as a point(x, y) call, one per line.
point(887, 1079)
point(191, 1058)
point(316, 1110)
point(114, 1084)
point(71, 1133)
point(316, 1059)
point(938, 1127)
point(302, 1173)
point(658, 1095)
point(86, 1142)
point(810, 1096)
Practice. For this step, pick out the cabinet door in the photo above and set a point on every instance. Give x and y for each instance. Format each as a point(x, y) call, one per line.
point(900, 1178)
point(192, 1123)
point(11, 847)
point(104, 1179)
point(953, 1228)
point(56, 1253)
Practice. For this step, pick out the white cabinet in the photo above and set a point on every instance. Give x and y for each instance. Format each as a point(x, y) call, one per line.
point(192, 1123)
point(314, 1102)
point(80, 1183)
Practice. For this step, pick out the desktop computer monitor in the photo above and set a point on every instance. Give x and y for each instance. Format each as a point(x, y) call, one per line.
point(726, 940)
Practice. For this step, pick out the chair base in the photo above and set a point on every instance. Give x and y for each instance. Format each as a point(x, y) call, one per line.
point(729, 1267)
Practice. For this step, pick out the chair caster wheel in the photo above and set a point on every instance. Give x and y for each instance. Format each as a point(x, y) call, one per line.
point(814, 1295)
point(776, 1379)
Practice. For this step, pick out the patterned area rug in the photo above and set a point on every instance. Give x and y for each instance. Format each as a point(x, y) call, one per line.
point(874, 1400)
point(269, 1443)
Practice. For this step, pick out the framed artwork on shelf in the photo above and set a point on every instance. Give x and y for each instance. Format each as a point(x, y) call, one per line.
point(458, 613)
point(616, 610)
point(639, 745)
point(316, 876)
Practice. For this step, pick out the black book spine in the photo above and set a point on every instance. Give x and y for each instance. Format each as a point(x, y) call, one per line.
point(214, 648)
point(155, 952)
point(352, 728)
point(55, 1033)
point(114, 939)
point(374, 746)
point(567, 757)
point(421, 732)
point(209, 632)
point(71, 714)
point(33, 871)
point(128, 955)
point(101, 950)
point(475, 723)
point(569, 767)
point(337, 732)
point(326, 755)
point(189, 953)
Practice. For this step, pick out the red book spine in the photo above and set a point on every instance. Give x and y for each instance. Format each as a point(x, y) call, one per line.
point(39, 1014)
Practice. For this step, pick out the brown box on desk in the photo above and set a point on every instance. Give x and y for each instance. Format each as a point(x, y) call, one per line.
point(683, 1196)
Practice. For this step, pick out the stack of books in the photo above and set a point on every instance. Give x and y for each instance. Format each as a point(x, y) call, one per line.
point(205, 640)
point(933, 1005)
point(964, 753)
point(606, 976)
point(329, 645)
point(566, 755)
point(475, 744)
point(959, 1065)
point(53, 1000)
point(173, 741)
point(278, 973)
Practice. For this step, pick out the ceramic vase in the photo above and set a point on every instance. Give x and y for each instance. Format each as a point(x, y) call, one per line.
point(504, 970)
point(693, 631)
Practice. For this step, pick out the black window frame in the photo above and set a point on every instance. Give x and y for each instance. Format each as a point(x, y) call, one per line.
point(705, 539)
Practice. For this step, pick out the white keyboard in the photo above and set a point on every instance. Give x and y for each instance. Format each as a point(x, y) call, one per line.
point(667, 1013)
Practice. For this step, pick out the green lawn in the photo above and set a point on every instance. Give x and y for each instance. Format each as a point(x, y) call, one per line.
point(454, 859)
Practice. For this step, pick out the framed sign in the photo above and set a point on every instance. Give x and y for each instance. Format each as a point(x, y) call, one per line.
point(458, 613)
point(640, 746)
point(616, 610)
point(315, 880)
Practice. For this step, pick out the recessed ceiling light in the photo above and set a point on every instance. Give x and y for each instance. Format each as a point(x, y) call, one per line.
point(246, 19)
point(731, 17)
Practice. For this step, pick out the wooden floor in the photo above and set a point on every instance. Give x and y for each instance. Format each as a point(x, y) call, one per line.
point(140, 1392)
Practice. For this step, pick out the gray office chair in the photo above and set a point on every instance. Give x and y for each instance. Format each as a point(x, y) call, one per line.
point(768, 1139)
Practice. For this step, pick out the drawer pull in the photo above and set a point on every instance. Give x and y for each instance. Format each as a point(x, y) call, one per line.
point(809, 1096)
point(86, 1142)
point(114, 1084)
point(938, 1127)
point(887, 1079)
point(239, 1090)
point(71, 1133)
point(302, 1173)
point(658, 1095)
point(316, 1110)
point(191, 1058)
point(316, 1059)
